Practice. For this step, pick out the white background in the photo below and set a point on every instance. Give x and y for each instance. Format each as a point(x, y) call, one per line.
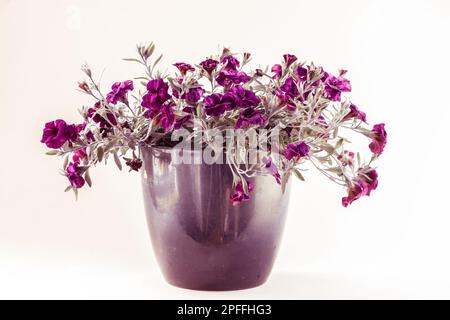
point(394, 244)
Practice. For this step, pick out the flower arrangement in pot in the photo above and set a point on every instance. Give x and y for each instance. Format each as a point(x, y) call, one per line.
point(216, 143)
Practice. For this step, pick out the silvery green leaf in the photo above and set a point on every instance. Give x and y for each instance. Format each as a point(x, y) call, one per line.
point(87, 177)
point(100, 153)
point(157, 60)
point(66, 162)
point(52, 152)
point(82, 169)
point(328, 148)
point(149, 50)
point(109, 145)
point(298, 174)
point(334, 170)
point(68, 189)
point(117, 161)
point(132, 60)
point(339, 143)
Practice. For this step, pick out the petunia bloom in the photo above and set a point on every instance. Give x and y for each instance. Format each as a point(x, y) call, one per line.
point(258, 73)
point(289, 59)
point(272, 169)
point(334, 86)
point(355, 113)
point(216, 104)
point(105, 121)
point(84, 86)
point(379, 139)
point(183, 67)
point(119, 91)
point(296, 150)
point(74, 174)
point(183, 120)
point(167, 117)
point(58, 132)
point(290, 88)
point(156, 96)
point(239, 194)
point(79, 155)
point(250, 117)
point(229, 77)
point(288, 92)
point(346, 158)
point(302, 73)
point(193, 95)
point(365, 182)
point(244, 98)
point(134, 163)
point(209, 65)
point(230, 62)
point(277, 70)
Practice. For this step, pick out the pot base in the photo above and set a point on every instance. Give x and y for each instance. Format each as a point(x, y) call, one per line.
point(217, 286)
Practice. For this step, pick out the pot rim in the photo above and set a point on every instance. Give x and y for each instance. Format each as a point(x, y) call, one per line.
point(169, 149)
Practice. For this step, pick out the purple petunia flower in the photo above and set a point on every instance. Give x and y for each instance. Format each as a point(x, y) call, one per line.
point(188, 109)
point(209, 65)
point(229, 77)
point(296, 150)
point(334, 86)
point(239, 194)
point(213, 105)
point(289, 59)
point(355, 113)
point(167, 117)
point(302, 73)
point(290, 88)
point(230, 62)
point(258, 73)
point(277, 70)
point(379, 139)
point(183, 67)
point(134, 163)
point(289, 91)
point(78, 155)
point(193, 95)
point(272, 169)
point(156, 96)
point(180, 122)
point(107, 122)
point(346, 158)
point(58, 132)
point(249, 117)
point(80, 127)
point(362, 186)
point(90, 136)
point(73, 173)
point(119, 91)
point(244, 98)
point(216, 104)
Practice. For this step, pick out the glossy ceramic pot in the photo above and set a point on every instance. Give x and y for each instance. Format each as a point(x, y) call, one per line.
point(200, 240)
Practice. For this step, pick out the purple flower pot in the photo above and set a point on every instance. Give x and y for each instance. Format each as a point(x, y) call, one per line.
point(200, 240)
